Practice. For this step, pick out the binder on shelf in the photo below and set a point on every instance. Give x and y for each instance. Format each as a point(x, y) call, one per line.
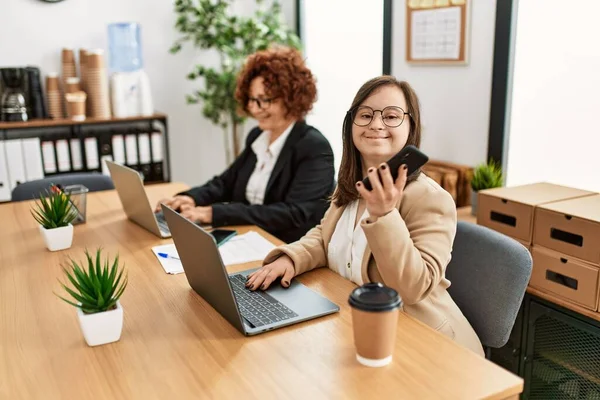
point(157, 156)
point(5, 188)
point(14, 160)
point(32, 154)
point(131, 151)
point(145, 157)
point(91, 154)
point(48, 157)
point(76, 155)
point(118, 148)
point(62, 155)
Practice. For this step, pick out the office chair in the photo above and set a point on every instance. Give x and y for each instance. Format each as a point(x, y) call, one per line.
point(31, 190)
point(489, 273)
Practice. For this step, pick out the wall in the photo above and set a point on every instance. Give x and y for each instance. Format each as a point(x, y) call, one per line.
point(39, 30)
point(341, 57)
point(552, 131)
point(455, 100)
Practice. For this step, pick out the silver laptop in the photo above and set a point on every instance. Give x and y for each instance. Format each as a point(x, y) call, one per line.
point(130, 187)
point(250, 312)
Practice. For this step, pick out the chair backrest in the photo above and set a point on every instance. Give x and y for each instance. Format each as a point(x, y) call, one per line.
point(31, 190)
point(489, 273)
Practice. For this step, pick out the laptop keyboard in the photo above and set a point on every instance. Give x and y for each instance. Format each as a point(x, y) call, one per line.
point(258, 307)
point(162, 223)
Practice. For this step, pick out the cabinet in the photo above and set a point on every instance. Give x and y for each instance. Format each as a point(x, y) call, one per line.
point(555, 350)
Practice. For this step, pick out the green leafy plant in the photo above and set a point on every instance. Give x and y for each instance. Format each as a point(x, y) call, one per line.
point(487, 176)
point(98, 288)
point(54, 209)
point(209, 25)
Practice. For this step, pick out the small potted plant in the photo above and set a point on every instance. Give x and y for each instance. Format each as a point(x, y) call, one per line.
point(96, 292)
point(55, 212)
point(485, 176)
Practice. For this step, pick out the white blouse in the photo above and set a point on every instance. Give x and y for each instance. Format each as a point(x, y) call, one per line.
point(347, 245)
point(266, 157)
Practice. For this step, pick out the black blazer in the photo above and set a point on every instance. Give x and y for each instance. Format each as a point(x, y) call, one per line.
point(297, 192)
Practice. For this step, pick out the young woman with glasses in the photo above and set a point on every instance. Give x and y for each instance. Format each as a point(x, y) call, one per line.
point(399, 233)
point(284, 177)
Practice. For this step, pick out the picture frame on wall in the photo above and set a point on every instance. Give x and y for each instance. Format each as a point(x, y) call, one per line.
point(437, 31)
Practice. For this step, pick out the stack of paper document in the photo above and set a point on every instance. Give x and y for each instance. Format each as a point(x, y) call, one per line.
point(238, 250)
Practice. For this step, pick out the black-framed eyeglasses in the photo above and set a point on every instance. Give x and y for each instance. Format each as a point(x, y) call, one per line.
point(263, 104)
point(391, 116)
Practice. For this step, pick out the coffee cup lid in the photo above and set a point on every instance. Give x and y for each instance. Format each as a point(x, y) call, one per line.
point(374, 297)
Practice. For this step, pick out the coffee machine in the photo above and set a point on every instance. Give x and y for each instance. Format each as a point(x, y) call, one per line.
point(13, 102)
point(21, 96)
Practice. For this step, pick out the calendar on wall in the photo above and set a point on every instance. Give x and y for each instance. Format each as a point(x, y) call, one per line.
point(436, 31)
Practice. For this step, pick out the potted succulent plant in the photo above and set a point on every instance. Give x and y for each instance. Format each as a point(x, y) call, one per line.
point(485, 176)
point(55, 212)
point(96, 292)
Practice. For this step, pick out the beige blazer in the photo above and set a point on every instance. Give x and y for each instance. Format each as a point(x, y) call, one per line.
point(408, 250)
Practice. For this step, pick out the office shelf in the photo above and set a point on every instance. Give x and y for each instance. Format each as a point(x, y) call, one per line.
point(85, 144)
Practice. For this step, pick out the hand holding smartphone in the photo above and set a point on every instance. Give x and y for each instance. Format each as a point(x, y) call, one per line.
point(409, 155)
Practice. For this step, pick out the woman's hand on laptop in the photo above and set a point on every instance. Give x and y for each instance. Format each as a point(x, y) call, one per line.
point(262, 278)
point(202, 215)
point(176, 203)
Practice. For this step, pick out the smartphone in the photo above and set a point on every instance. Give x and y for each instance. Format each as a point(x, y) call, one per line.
point(409, 155)
point(222, 235)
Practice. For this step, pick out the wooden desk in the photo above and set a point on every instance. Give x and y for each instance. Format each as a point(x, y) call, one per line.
point(174, 345)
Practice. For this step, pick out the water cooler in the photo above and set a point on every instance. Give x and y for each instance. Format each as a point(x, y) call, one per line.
point(129, 84)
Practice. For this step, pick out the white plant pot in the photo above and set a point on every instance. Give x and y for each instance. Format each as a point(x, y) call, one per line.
point(58, 238)
point(101, 328)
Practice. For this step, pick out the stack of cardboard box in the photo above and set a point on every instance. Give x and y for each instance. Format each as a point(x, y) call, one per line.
point(560, 226)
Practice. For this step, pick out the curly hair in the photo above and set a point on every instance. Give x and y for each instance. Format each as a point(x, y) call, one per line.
point(285, 76)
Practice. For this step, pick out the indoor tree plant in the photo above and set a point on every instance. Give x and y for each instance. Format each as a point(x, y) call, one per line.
point(55, 212)
point(209, 25)
point(96, 292)
point(485, 176)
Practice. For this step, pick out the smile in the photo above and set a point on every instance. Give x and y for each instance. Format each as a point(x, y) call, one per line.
point(377, 137)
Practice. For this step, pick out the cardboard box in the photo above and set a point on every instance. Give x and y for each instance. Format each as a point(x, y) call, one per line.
point(571, 279)
point(571, 227)
point(510, 210)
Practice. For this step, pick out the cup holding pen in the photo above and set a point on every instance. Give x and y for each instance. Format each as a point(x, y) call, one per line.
point(79, 200)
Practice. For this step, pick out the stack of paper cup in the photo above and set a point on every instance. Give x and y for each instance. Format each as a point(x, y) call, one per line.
point(97, 84)
point(69, 70)
point(76, 105)
point(73, 85)
point(82, 63)
point(55, 103)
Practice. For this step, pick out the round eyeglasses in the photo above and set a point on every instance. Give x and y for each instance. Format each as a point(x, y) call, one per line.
point(391, 116)
point(263, 104)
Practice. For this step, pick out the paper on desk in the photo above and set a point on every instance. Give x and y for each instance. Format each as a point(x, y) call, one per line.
point(240, 249)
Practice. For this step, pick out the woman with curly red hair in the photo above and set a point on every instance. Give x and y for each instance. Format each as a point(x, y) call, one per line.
point(283, 178)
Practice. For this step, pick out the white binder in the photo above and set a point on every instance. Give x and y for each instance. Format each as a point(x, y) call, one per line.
point(118, 149)
point(62, 153)
point(5, 189)
point(131, 149)
point(48, 155)
point(91, 153)
point(14, 160)
point(157, 147)
point(76, 155)
point(144, 143)
point(32, 155)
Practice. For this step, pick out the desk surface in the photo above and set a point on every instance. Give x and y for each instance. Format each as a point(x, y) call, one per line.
point(174, 345)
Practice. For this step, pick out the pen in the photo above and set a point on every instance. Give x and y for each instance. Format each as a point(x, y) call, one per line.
point(165, 255)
